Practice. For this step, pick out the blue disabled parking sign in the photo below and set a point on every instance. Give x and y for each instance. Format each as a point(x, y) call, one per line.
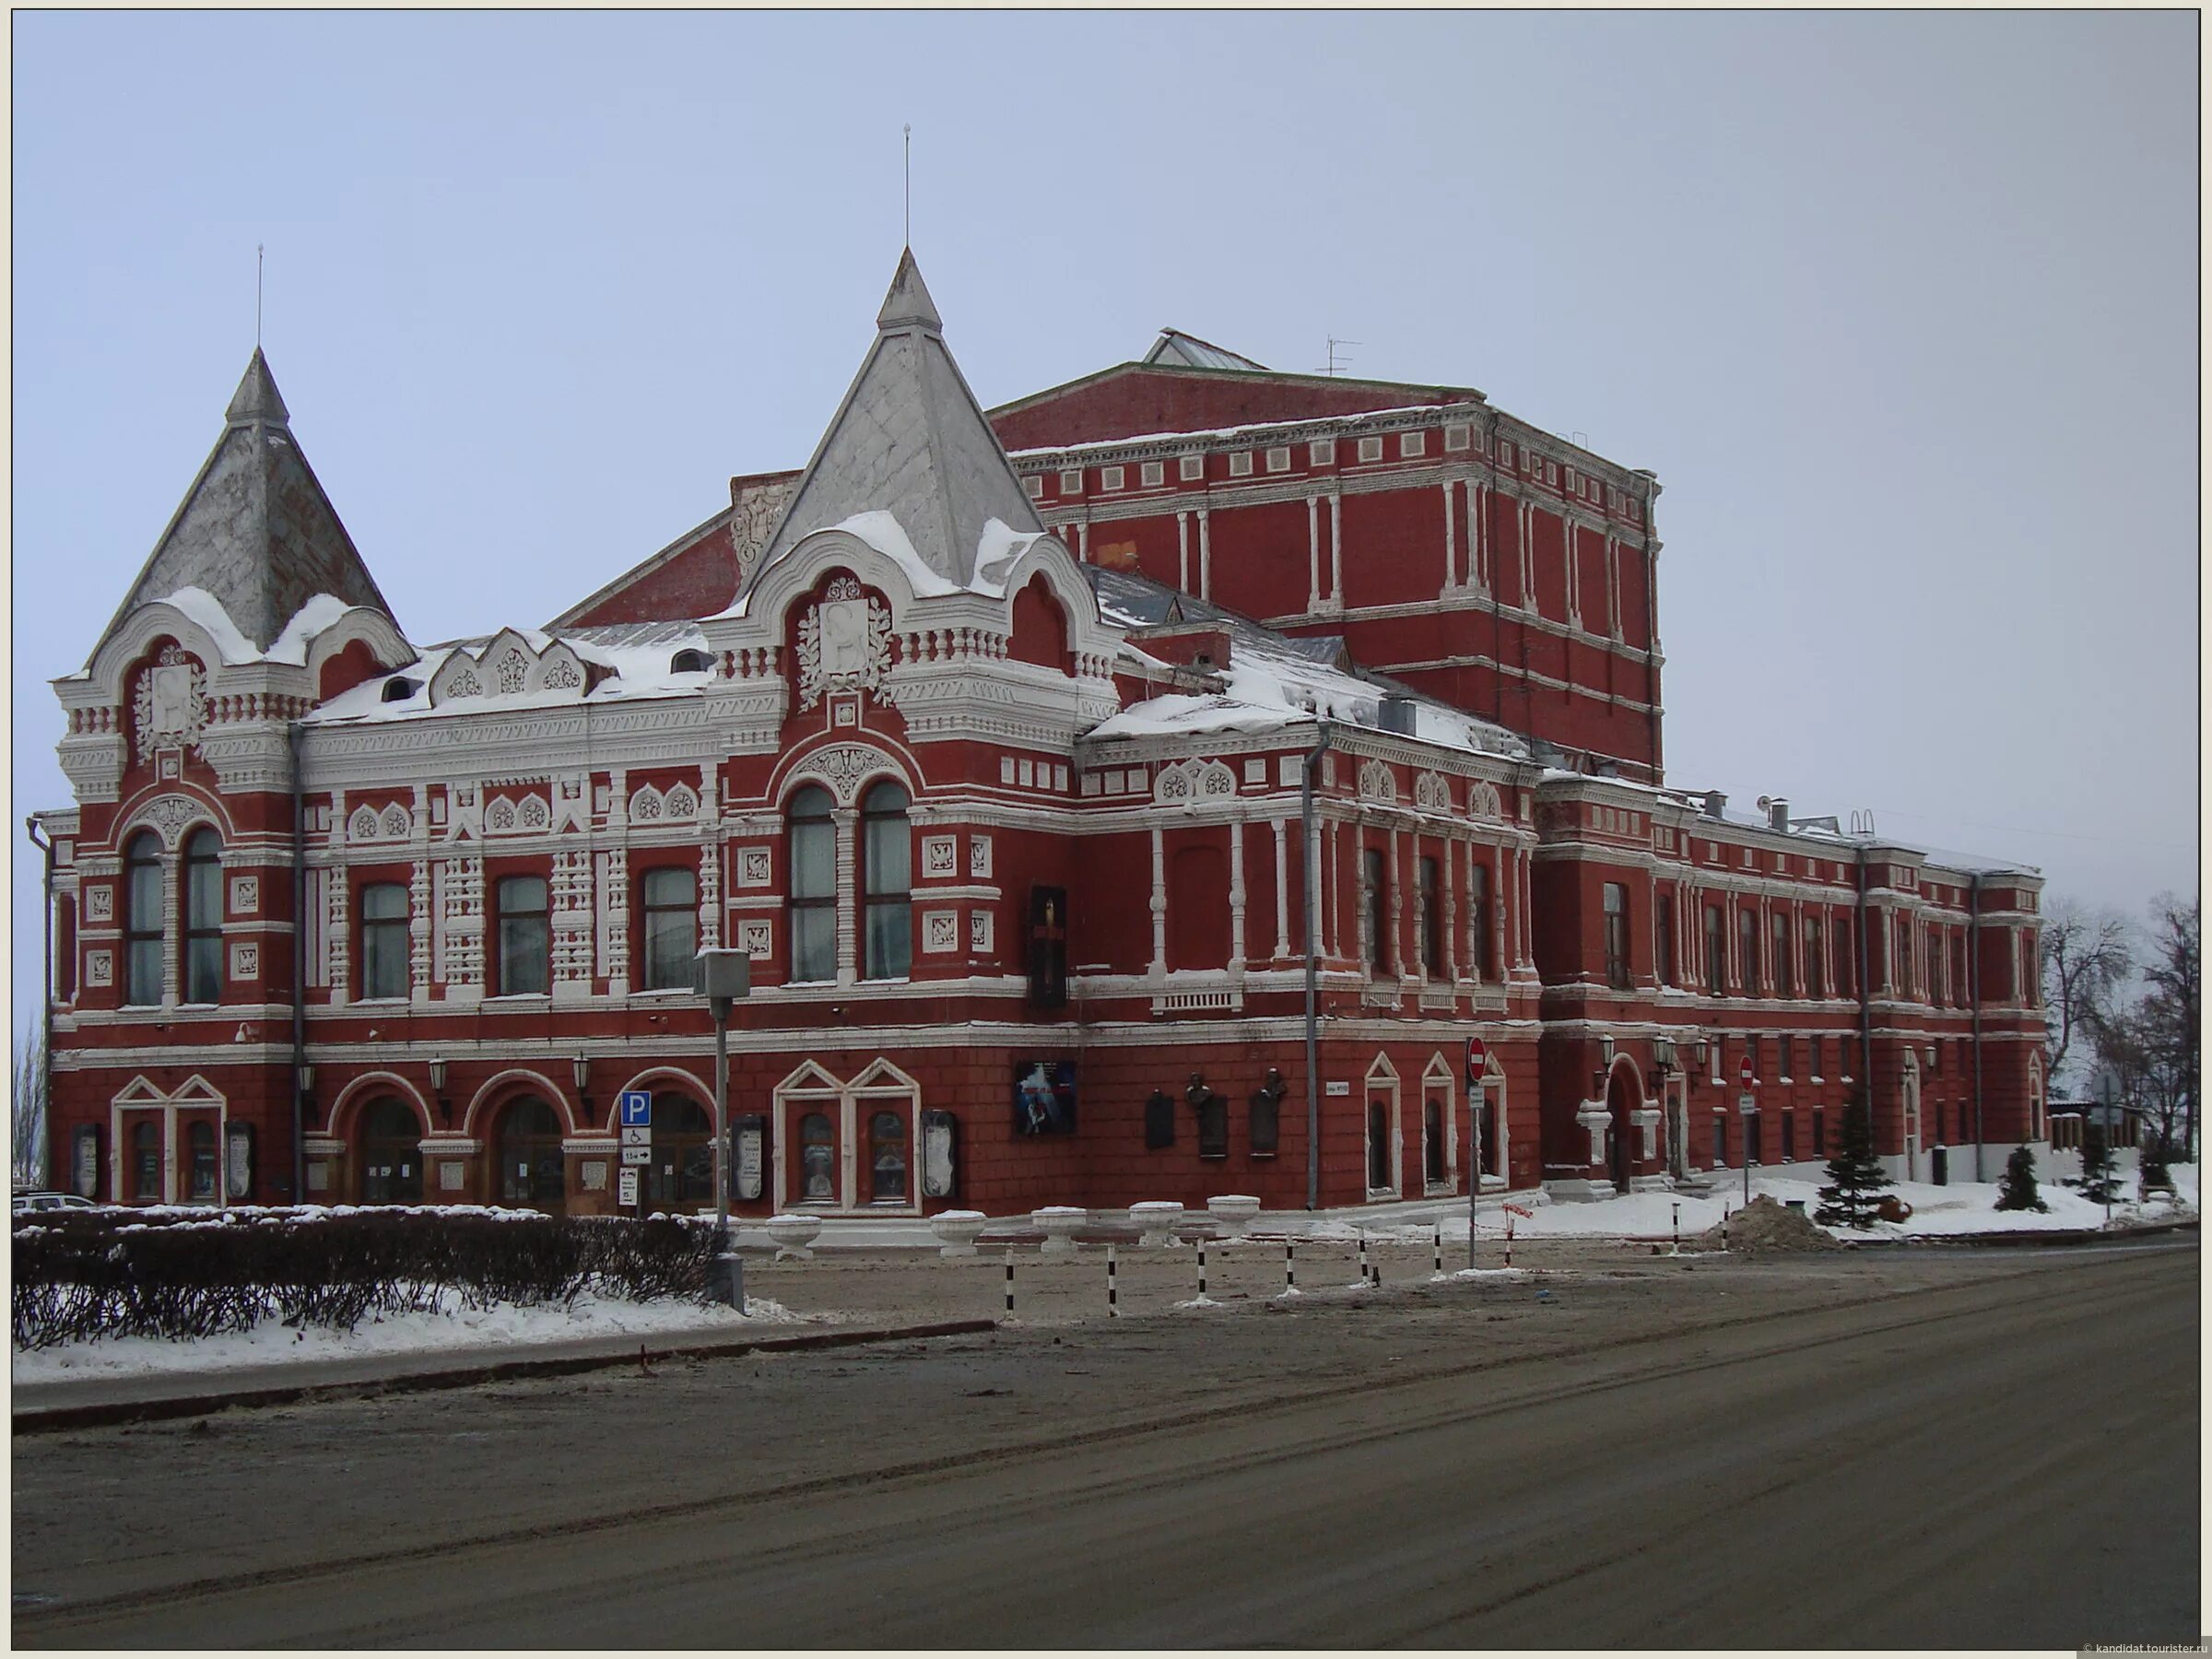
point(637, 1109)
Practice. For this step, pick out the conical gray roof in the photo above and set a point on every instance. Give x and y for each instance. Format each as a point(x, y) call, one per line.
point(255, 530)
point(910, 439)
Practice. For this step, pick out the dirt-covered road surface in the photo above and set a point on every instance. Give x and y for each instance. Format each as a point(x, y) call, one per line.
point(1987, 1449)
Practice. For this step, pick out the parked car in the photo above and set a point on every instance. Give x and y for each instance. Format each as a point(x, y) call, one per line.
point(27, 1203)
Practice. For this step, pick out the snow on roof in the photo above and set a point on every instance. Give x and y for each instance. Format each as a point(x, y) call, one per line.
point(883, 531)
point(638, 657)
point(320, 612)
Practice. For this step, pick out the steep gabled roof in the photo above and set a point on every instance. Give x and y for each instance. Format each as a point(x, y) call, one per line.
point(255, 530)
point(910, 439)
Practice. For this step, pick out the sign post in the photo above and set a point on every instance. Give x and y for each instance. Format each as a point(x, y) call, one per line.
point(721, 975)
point(1746, 1103)
point(636, 1127)
point(1478, 1054)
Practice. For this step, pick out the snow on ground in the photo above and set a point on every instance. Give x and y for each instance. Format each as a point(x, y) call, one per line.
point(502, 1326)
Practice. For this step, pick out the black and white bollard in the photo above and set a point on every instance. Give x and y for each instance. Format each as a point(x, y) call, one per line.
point(1723, 1227)
point(1366, 1273)
point(1114, 1295)
point(1677, 1210)
point(1290, 1264)
point(1508, 1240)
point(1009, 1280)
point(1439, 1249)
point(1202, 1270)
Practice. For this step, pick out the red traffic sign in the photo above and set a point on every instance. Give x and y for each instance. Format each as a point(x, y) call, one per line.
point(1743, 1072)
point(1479, 1052)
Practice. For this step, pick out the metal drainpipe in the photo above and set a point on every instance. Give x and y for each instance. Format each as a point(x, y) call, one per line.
point(30, 827)
point(1865, 1006)
point(1310, 841)
point(299, 966)
point(1651, 629)
point(1974, 994)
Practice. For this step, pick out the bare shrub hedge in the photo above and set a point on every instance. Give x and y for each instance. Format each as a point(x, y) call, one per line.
point(180, 1274)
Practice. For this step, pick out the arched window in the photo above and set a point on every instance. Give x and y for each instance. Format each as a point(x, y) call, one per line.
point(384, 939)
point(142, 920)
point(887, 1158)
point(532, 1170)
point(146, 1160)
point(682, 1173)
point(817, 1159)
point(813, 901)
point(1378, 1146)
point(525, 938)
point(887, 870)
point(199, 1140)
point(1432, 1142)
point(690, 662)
point(203, 917)
point(671, 928)
point(389, 1152)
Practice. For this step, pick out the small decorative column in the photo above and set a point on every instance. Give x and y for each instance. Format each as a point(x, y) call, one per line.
point(847, 819)
point(1160, 905)
point(1282, 888)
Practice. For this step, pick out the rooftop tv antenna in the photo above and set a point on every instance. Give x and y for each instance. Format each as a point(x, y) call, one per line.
point(909, 238)
point(257, 258)
point(1337, 358)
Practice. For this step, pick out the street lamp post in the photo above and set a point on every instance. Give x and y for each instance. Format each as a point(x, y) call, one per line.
point(722, 975)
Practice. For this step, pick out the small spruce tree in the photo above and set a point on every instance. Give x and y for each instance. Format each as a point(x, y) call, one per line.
point(2155, 1177)
point(1856, 1176)
point(2016, 1190)
point(2098, 1183)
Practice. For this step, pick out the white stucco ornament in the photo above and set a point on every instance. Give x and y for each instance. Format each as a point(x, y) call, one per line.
point(845, 643)
point(170, 707)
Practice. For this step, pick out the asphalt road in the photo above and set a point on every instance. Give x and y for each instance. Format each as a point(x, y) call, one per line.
point(2005, 1462)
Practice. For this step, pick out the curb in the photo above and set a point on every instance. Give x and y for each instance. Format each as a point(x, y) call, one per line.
point(2026, 1236)
point(51, 1418)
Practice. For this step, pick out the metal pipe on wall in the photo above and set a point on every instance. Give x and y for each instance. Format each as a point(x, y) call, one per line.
point(1310, 837)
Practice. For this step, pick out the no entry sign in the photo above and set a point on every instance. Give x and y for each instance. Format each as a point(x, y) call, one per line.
point(1478, 1054)
point(1743, 1072)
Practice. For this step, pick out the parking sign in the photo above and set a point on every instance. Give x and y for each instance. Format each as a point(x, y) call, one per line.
point(637, 1109)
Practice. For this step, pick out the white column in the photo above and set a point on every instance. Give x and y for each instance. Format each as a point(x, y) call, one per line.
point(1159, 904)
point(847, 820)
point(1183, 551)
point(1448, 868)
point(172, 966)
point(1331, 928)
point(1282, 886)
point(1612, 587)
point(1236, 894)
point(1396, 955)
point(1312, 551)
point(1574, 573)
point(1337, 548)
point(1205, 557)
point(1451, 537)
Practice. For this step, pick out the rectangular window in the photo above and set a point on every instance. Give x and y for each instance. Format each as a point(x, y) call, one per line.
point(1033, 487)
point(1455, 438)
point(526, 937)
point(1667, 940)
point(1429, 924)
point(1378, 911)
point(1789, 1137)
point(1071, 482)
point(1746, 945)
point(1813, 1060)
point(1716, 951)
point(1816, 959)
point(1152, 472)
point(1783, 985)
point(1321, 452)
point(1240, 464)
point(1617, 935)
point(1190, 468)
point(1720, 1140)
point(1789, 1048)
point(1413, 444)
point(1278, 459)
point(1370, 449)
point(1819, 1133)
point(887, 869)
point(813, 895)
point(1110, 478)
point(671, 901)
point(384, 939)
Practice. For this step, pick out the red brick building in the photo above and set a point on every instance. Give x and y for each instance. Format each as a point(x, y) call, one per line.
point(1141, 791)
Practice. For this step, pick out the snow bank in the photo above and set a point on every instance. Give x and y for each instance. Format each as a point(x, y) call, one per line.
point(430, 1334)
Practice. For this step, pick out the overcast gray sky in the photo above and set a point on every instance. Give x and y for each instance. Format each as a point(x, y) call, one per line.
point(1902, 308)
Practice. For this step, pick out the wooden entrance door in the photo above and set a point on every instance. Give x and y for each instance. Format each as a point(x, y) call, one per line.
point(531, 1170)
point(680, 1180)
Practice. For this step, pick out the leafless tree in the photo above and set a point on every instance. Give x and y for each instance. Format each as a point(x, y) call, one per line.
point(2086, 961)
point(2151, 1045)
point(27, 1114)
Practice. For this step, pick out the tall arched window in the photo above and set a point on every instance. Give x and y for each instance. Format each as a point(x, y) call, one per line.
point(532, 1170)
point(813, 901)
point(200, 1141)
point(203, 917)
point(384, 939)
point(887, 1158)
point(389, 1152)
point(1432, 1142)
point(887, 871)
point(142, 920)
point(817, 1159)
point(671, 928)
point(1378, 1146)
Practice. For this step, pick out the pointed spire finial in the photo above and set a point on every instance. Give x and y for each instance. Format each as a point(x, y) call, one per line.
point(908, 305)
point(257, 401)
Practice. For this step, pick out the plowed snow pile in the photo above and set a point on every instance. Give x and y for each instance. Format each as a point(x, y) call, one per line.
point(1764, 1224)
